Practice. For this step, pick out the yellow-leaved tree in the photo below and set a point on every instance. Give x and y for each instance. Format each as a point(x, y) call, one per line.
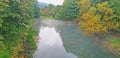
point(84, 6)
point(96, 20)
point(90, 23)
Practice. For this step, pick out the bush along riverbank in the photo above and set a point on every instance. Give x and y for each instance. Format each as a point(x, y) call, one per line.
point(16, 31)
point(112, 42)
point(20, 46)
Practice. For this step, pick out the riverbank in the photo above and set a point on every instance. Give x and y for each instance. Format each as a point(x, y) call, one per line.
point(18, 45)
point(112, 43)
point(47, 17)
point(74, 41)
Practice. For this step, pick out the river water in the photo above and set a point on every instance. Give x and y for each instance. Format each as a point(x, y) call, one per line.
point(59, 39)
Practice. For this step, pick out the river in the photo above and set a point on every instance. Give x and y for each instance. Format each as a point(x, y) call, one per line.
point(59, 39)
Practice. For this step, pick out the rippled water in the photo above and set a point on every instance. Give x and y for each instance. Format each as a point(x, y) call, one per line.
point(59, 39)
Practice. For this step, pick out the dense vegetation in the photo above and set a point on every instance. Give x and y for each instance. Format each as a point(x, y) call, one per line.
point(68, 11)
point(48, 11)
point(94, 17)
point(16, 32)
point(100, 18)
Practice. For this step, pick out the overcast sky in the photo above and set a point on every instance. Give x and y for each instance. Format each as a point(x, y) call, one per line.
point(54, 2)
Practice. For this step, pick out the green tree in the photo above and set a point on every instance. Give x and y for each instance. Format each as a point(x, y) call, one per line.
point(16, 17)
point(36, 9)
point(69, 10)
point(116, 10)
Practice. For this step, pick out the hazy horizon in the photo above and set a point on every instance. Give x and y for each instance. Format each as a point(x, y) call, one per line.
point(54, 2)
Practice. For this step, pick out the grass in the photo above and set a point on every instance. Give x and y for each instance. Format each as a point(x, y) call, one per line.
point(31, 40)
point(46, 17)
point(114, 41)
point(114, 44)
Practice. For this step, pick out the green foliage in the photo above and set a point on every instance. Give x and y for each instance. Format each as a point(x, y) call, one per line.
point(5, 54)
point(56, 12)
point(15, 22)
point(116, 10)
point(114, 44)
point(3, 6)
point(50, 6)
point(48, 12)
point(36, 9)
point(95, 2)
point(30, 39)
point(115, 41)
point(69, 10)
point(44, 13)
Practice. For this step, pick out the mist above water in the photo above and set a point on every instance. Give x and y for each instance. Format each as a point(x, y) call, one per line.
point(50, 45)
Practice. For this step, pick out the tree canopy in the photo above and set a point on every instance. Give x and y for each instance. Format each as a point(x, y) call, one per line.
point(68, 11)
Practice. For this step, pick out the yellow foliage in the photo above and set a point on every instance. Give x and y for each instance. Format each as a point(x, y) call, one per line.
point(96, 19)
point(6, 1)
point(84, 5)
point(18, 1)
point(102, 6)
point(85, 16)
point(91, 25)
point(16, 51)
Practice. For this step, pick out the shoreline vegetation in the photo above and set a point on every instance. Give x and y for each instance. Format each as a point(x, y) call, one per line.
point(112, 43)
point(16, 30)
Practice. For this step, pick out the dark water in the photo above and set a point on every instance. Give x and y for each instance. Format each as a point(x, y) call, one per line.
point(58, 39)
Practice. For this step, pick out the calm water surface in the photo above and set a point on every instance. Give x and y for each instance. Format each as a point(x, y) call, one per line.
point(58, 39)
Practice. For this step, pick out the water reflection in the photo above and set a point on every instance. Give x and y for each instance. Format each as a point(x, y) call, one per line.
point(50, 45)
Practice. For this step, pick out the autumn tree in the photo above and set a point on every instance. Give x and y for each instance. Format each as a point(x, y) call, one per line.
point(96, 20)
point(90, 22)
point(84, 6)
